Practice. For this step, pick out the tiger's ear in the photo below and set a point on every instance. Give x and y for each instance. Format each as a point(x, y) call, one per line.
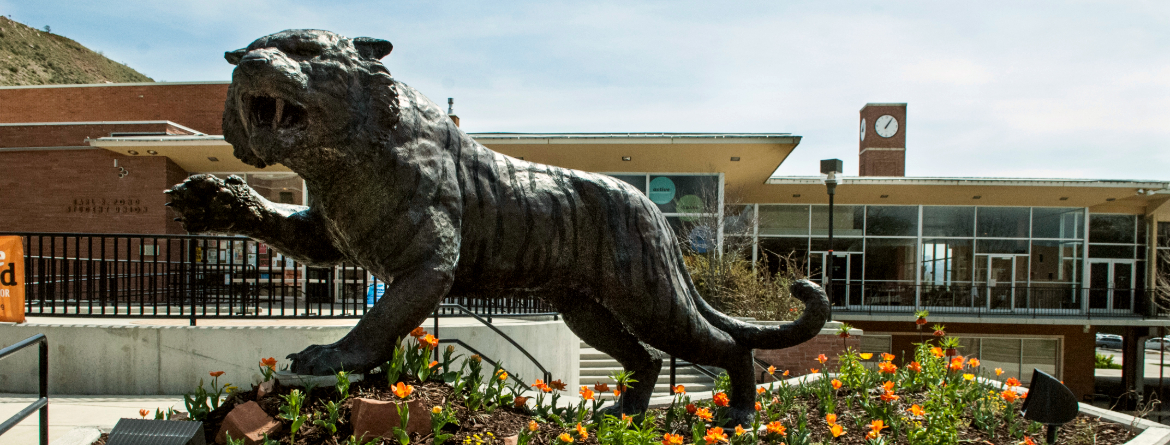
point(372, 48)
point(233, 57)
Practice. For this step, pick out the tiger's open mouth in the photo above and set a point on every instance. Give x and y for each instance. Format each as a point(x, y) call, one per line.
point(274, 113)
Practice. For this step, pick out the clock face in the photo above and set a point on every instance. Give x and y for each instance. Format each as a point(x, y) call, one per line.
point(862, 129)
point(885, 126)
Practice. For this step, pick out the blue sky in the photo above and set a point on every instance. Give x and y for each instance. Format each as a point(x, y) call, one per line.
point(1049, 89)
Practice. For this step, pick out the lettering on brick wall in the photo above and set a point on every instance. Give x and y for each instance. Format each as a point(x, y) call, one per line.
point(111, 206)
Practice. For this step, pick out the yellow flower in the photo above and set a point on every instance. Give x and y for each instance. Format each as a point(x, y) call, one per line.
point(532, 426)
point(437, 410)
point(739, 430)
point(502, 375)
point(998, 372)
point(968, 376)
point(866, 355)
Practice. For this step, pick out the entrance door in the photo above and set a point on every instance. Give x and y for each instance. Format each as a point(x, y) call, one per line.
point(846, 285)
point(1003, 279)
point(1111, 284)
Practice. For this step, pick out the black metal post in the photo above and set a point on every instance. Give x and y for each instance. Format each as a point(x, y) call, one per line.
point(434, 314)
point(831, 184)
point(672, 369)
point(44, 387)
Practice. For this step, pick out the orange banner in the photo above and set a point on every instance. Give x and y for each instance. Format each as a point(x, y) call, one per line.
point(11, 279)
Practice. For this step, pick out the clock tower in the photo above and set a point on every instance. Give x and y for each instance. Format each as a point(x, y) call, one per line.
point(883, 140)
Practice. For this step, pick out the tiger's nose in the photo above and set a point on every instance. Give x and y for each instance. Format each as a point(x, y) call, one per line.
point(253, 62)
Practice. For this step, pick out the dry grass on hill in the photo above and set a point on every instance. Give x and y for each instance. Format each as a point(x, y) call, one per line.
point(30, 56)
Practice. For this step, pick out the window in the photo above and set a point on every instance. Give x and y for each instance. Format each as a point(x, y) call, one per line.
point(876, 344)
point(891, 221)
point(889, 259)
point(783, 220)
point(1055, 262)
point(1057, 223)
point(638, 181)
point(1002, 222)
point(1112, 229)
point(847, 220)
point(1016, 356)
point(946, 261)
point(948, 221)
point(685, 194)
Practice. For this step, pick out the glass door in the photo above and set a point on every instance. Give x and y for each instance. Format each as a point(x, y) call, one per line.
point(1111, 284)
point(1002, 281)
point(999, 282)
point(846, 285)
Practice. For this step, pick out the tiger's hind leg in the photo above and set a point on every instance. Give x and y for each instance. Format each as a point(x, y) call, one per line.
point(597, 326)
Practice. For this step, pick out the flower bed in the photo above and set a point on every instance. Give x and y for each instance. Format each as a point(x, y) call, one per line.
point(934, 399)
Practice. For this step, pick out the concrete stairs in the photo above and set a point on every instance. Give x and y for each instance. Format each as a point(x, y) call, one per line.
point(597, 366)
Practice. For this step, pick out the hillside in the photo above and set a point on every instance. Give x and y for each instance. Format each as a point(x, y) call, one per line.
point(33, 57)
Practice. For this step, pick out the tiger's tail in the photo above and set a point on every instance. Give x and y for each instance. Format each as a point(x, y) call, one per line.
point(817, 312)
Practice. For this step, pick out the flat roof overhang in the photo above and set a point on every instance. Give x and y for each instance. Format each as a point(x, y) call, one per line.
point(1100, 195)
point(759, 154)
point(194, 154)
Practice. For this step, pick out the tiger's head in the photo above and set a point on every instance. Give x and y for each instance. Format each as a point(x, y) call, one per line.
point(305, 97)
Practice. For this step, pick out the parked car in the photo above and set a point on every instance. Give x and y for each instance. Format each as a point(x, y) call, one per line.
point(1158, 343)
point(1109, 341)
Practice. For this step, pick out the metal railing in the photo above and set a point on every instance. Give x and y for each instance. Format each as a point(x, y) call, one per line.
point(457, 308)
point(195, 276)
point(978, 300)
point(42, 403)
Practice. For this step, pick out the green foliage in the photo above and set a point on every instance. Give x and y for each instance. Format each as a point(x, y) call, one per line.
point(440, 417)
point(202, 402)
point(160, 415)
point(343, 385)
point(1106, 362)
point(614, 431)
point(329, 421)
point(231, 441)
point(291, 411)
point(400, 431)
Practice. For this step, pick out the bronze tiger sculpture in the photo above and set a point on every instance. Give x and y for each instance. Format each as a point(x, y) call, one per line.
point(400, 190)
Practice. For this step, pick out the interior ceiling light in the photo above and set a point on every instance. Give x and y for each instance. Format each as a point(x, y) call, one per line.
point(1110, 199)
point(885, 196)
point(796, 195)
point(977, 197)
point(735, 159)
point(1064, 198)
point(135, 153)
point(625, 158)
point(213, 159)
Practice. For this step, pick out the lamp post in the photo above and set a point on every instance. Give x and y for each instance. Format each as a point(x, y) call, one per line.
point(830, 168)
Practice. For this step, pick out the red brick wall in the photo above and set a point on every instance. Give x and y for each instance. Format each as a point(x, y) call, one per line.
point(1079, 347)
point(198, 106)
point(79, 191)
point(798, 359)
point(22, 136)
point(882, 163)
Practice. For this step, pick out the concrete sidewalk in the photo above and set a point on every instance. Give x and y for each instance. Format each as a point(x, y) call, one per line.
point(69, 412)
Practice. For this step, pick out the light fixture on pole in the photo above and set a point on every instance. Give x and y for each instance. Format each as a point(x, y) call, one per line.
point(830, 168)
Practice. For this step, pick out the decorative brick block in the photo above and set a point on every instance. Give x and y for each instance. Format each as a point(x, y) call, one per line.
point(376, 418)
point(248, 421)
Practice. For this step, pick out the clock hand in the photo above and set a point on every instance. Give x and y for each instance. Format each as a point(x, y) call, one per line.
point(888, 124)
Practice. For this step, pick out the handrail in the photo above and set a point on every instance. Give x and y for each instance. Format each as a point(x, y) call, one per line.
point(494, 364)
point(547, 375)
point(42, 403)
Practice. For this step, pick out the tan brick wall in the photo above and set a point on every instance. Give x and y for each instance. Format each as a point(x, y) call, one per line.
point(800, 358)
point(198, 106)
point(80, 191)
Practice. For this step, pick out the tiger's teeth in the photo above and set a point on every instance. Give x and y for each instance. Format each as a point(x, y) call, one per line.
point(243, 115)
point(279, 112)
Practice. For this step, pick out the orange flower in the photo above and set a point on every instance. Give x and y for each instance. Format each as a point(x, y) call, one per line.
point(998, 372)
point(269, 363)
point(691, 409)
point(216, 373)
point(541, 386)
point(936, 351)
point(760, 390)
point(429, 341)
point(814, 370)
point(1028, 441)
point(582, 432)
point(143, 412)
point(889, 396)
point(821, 358)
point(703, 413)
point(873, 435)
point(914, 366)
point(837, 430)
point(557, 385)
point(532, 426)
point(771, 370)
point(603, 387)
point(519, 402)
point(739, 430)
point(974, 362)
point(777, 428)
point(968, 377)
point(720, 399)
point(887, 367)
point(418, 332)
point(502, 375)
point(785, 373)
point(1009, 395)
point(836, 384)
point(888, 385)
point(877, 425)
point(865, 355)
point(916, 410)
point(1012, 381)
point(671, 439)
point(565, 438)
point(402, 390)
point(679, 389)
point(586, 393)
point(830, 418)
point(617, 393)
point(714, 435)
point(887, 357)
point(759, 406)
point(956, 364)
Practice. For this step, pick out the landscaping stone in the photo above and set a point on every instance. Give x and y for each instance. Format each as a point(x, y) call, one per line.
point(376, 418)
point(287, 378)
point(264, 389)
point(511, 440)
point(247, 421)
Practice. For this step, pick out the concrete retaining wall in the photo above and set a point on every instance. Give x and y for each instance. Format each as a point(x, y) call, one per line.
point(93, 359)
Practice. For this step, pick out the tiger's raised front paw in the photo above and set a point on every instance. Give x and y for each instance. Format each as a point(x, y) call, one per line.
point(206, 203)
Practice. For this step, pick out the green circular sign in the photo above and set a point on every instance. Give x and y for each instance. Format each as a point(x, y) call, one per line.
point(661, 190)
point(689, 204)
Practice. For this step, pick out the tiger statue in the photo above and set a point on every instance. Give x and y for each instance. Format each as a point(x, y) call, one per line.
point(399, 189)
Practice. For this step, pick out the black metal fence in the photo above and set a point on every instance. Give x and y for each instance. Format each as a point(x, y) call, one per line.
point(42, 403)
point(979, 299)
point(193, 276)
